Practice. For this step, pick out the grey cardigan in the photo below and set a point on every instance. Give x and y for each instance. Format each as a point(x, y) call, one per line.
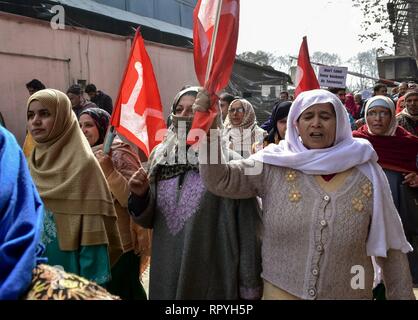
point(314, 242)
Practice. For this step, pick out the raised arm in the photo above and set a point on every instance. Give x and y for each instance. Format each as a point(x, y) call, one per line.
point(141, 203)
point(236, 179)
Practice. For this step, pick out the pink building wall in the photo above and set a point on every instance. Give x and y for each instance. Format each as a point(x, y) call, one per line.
point(32, 49)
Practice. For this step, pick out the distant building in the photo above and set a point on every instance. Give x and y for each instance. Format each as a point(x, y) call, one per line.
point(261, 85)
point(403, 20)
point(94, 46)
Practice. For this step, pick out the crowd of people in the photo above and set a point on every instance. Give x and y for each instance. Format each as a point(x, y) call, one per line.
point(285, 211)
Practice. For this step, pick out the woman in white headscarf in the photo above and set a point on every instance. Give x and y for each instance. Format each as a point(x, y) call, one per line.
point(327, 207)
point(241, 129)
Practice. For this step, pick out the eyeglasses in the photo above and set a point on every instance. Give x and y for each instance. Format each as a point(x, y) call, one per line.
point(381, 114)
point(239, 110)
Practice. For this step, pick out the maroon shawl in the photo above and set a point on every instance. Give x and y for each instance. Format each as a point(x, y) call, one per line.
point(397, 152)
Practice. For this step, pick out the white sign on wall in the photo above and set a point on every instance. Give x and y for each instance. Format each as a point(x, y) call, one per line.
point(272, 91)
point(332, 77)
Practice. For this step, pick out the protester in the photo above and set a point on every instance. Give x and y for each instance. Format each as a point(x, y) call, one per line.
point(101, 99)
point(204, 246)
point(78, 102)
point(284, 96)
point(32, 86)
point(268, 125)
point(23, 274)
point(402, 88)
point(241, 129)
point(379, 89)
point(408, 117)
point(225, 100)
point(400, 104)
point(80, 229)
point(351, 106)
point(326, 206)
point(397, 151)
point(118, 167)
point(344, 98)
point(279, 117)
point(21, 220)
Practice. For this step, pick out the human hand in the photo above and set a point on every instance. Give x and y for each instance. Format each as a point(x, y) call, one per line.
point(411, 179)
point(359, 123)
point(202, 102)
point(139, 182)
point(141, 239)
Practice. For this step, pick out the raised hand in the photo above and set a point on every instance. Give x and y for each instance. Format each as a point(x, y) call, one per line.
point(139, 182)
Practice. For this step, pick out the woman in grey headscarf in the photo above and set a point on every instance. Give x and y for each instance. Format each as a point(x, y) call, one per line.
point(204, 246)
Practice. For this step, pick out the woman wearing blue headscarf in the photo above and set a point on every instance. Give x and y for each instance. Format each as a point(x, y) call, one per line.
point(22, 274)
point(21, 214)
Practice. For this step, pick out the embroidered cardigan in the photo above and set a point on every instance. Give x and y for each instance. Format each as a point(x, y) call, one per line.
point(314, 241)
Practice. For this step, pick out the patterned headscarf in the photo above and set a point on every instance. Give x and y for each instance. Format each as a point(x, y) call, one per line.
point(249, 115)
point(241, 138)
point(101, 118)
point(159, 163)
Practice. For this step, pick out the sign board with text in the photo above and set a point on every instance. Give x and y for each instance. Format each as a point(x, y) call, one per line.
point(332, 77)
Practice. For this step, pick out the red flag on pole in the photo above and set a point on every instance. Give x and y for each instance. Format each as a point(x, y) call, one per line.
point(305, 75)
point(138, 110)
point(215, 37)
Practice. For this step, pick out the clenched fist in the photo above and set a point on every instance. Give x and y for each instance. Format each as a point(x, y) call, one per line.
point(202, 102)
point(139, 182)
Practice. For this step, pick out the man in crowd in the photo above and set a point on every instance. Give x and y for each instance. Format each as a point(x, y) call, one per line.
point(101, 99)
point(75, 94)
point(34, 86)
point(408, 118)
point(225, 100)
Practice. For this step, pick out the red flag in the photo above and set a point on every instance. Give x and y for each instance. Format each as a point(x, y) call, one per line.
point(224, 45)
point(138, 110)
point(305, 75)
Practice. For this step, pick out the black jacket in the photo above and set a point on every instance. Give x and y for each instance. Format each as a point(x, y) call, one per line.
point(103, 101)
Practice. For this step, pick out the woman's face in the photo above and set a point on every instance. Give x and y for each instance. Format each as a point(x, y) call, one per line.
point(317, 125)
point(88, 126)
point(378, 120)
point(236, 113)
point(281, 127)
point(184, 107)
point(40, 121)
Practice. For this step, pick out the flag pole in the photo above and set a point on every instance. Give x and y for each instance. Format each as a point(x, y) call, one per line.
point(110, 136)
point(212, 45)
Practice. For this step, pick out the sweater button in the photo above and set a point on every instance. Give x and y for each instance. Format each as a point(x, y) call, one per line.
point(315, 271)
point(326, 198)
point(312, 292)
point(319, 248)
point(323, 223)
